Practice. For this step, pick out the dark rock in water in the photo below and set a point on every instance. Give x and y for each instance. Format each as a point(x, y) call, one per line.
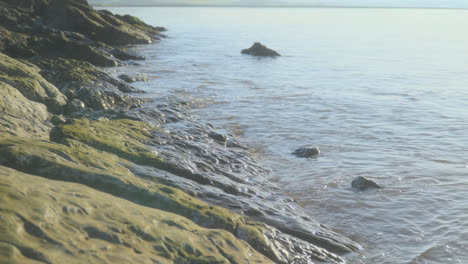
point(127, 78)
point(362, 184)
point(258, 49)
point(219, 137)
point(135, 78)
point(307, 152)
point(126, 55)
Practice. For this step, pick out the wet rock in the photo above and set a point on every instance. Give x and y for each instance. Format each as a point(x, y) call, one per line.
point(126, 55)
point(127, 78)
point(223, 139)
point(133, 78)
point(258, 49)
point(307, 152)
point(362, 184)
point(83, 81)
point(282, 248)
point(227, 175)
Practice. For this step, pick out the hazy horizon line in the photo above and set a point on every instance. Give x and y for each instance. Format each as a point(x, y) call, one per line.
point(276, 6)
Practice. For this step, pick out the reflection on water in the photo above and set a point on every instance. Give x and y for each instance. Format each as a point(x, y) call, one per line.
point(383, 92)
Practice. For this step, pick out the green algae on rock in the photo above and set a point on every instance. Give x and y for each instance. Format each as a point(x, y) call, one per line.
point(107, 173)
point(58, 222)
point(20, 116)
point(122, 137)
point(26, 78)
point(80, 163)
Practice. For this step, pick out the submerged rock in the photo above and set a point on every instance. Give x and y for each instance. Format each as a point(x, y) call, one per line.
point(362, 184)
point(307, 152)
point(258, 49)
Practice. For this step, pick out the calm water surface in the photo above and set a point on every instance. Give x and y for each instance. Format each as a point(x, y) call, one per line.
point(382, 92)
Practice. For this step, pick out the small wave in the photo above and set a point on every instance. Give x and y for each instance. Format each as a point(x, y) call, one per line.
point(443, 161)
point(450, 252)
point(164, 71)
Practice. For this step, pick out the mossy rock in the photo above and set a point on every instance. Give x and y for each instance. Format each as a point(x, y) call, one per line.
point(58, 222)
point(26, 78)
point(84, 81)
point(106, 172)
point(56, 45)
point(20, 116)
point(123, 137)
point(62, 71)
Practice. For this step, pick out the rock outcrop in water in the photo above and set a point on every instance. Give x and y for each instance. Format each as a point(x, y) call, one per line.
point(362, 184)
point(133, 78)
point(89, 175)
point(307, 152)
point(258, 49)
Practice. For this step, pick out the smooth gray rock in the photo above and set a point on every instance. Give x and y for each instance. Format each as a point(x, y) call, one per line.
point(258, 49)
point(362, 184)
point(307, 152)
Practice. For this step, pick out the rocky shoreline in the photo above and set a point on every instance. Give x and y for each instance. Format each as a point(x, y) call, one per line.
point(92, 172)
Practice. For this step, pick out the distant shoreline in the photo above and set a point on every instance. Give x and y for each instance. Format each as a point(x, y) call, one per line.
point(279, 6)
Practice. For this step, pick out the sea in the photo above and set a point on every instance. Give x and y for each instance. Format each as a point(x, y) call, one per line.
point(382, 92)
